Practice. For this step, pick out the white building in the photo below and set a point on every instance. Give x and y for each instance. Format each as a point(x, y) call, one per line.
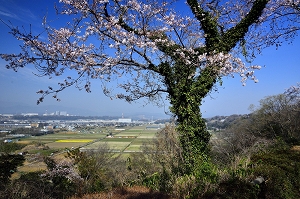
point(29, 114)
point(124, 120)
point(63, 113)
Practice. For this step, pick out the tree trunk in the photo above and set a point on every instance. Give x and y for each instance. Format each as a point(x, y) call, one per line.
point(193, 136)
point(186, 97)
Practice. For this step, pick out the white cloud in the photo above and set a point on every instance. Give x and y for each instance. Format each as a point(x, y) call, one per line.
point(12, 10)
point(3, 13)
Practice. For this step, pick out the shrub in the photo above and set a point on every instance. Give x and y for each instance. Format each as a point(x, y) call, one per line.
point(29, 185)
point(10, 147)
point(281, 169)
point(8, 165)
point(159, 164)
point(63, 178)
point(98, 168)
point(234, 188)
point(162, 167)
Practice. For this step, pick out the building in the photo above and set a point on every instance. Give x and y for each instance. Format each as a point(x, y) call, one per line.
point(30, 114)
point(124, 120)
point(63, 113)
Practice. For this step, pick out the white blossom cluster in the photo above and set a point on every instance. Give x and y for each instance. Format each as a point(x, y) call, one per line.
point(63, 169)
point(294, 90)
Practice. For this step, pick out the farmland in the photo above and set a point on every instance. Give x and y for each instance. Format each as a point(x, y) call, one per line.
point(119, 141)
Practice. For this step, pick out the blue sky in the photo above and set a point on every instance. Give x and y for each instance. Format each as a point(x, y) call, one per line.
point(18, 89)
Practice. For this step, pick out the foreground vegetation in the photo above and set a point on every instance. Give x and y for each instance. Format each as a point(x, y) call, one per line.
point(256, 156)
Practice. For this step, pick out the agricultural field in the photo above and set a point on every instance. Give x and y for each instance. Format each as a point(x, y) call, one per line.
point(118, 141)
point(129, 140)
point(125, 139)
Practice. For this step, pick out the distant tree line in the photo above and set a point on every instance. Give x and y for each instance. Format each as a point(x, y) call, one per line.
point(277, 118)
point(30, 131)
point(221, 122)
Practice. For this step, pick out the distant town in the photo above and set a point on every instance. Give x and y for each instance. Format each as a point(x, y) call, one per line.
point(56, 113)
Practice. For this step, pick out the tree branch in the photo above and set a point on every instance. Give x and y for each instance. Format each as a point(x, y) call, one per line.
point(236, 33)
point(208, 23)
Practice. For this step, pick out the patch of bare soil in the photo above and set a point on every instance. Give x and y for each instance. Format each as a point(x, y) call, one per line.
point(296, 148)
point(34, 147)
point(136, 192)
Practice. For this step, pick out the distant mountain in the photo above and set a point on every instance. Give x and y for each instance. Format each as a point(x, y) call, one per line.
point(222, 122)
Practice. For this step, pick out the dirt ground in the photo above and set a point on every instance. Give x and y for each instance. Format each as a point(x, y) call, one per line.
point(136, 192)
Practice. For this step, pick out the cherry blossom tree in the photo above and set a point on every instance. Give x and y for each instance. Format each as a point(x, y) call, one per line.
point(294, 91)
point(154, 50)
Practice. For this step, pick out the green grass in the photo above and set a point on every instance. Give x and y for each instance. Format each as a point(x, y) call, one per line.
point(133, 147)
point(63, 145)
point(133, 131)
point(43, 152)
point(123, 134)
point(114, 146)
point(139, 141)
point(62, 136)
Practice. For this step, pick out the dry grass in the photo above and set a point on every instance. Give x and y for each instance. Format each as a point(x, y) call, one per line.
point(67, 132)
point(136, 192)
